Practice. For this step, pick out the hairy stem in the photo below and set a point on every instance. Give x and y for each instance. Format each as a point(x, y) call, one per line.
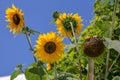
point(30, 44)
point(77, 51)
point(110, 36)
point(91, 70)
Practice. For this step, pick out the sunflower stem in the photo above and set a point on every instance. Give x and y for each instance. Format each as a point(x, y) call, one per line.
point(77, 51)
point(46, 72)
point(37, 32)
point(30, 44)
point(110, 36)
point(91, 70)
point(114, 62)
point(55, 71)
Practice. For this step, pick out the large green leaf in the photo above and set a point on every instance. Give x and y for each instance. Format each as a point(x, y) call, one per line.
point(33, 72)
point(112, 44)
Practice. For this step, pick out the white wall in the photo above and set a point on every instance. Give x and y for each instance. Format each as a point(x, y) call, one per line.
point(20, 77)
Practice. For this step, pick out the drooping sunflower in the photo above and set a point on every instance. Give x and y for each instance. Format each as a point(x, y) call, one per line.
point(49, 47)
point(93, 46)
point(64, 26)
point(15, 18)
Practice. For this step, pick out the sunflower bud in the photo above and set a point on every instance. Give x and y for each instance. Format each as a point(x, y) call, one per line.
point(56, 15)
point(93, 46)
point(48, 67)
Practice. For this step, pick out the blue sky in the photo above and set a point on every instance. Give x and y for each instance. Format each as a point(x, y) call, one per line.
point(14, 49)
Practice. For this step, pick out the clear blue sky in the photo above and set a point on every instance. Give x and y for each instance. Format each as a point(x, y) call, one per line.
point(14, 49)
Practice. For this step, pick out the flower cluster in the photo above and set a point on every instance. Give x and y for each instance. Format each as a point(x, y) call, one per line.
point(81, 59)
point(49, 47)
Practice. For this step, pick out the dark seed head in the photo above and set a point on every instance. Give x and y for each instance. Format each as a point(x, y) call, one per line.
point(93, 47)
point(16, 19)
point(50, 47)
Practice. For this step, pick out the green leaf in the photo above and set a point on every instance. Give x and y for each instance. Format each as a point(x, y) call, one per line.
point(31, 31)
point(25, 29)
point(112, 44)
point(18, 67)
point(70, 46)
point(70, 78)
point(51, 22)
point(67, 76)
point(14, 75)
point(33, 72)
point(105, 3)
point(116, 78)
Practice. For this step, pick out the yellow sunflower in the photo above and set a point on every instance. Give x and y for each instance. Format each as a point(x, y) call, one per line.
point(49, 47)
point(64, 26)
point(15, 18)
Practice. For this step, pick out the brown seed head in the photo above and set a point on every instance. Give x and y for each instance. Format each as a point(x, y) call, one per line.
point(93, 46)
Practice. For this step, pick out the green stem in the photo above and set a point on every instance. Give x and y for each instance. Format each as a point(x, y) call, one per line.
point(118, 68)
point(77, 51)
point(107, 63)
point(30, 44)
point(55, 71)
point(46, 73)
point(110, 36)
point(37, 32)
point(73, 33)
point(114, 62)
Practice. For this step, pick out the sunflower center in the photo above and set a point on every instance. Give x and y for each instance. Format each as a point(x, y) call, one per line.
point(50, 47)
point(16, 19)
point(67, 25)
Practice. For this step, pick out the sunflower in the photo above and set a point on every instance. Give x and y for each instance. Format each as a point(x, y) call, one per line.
point(93, 46)
point(15, 18)
point(64, 26)
point(49, 47)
